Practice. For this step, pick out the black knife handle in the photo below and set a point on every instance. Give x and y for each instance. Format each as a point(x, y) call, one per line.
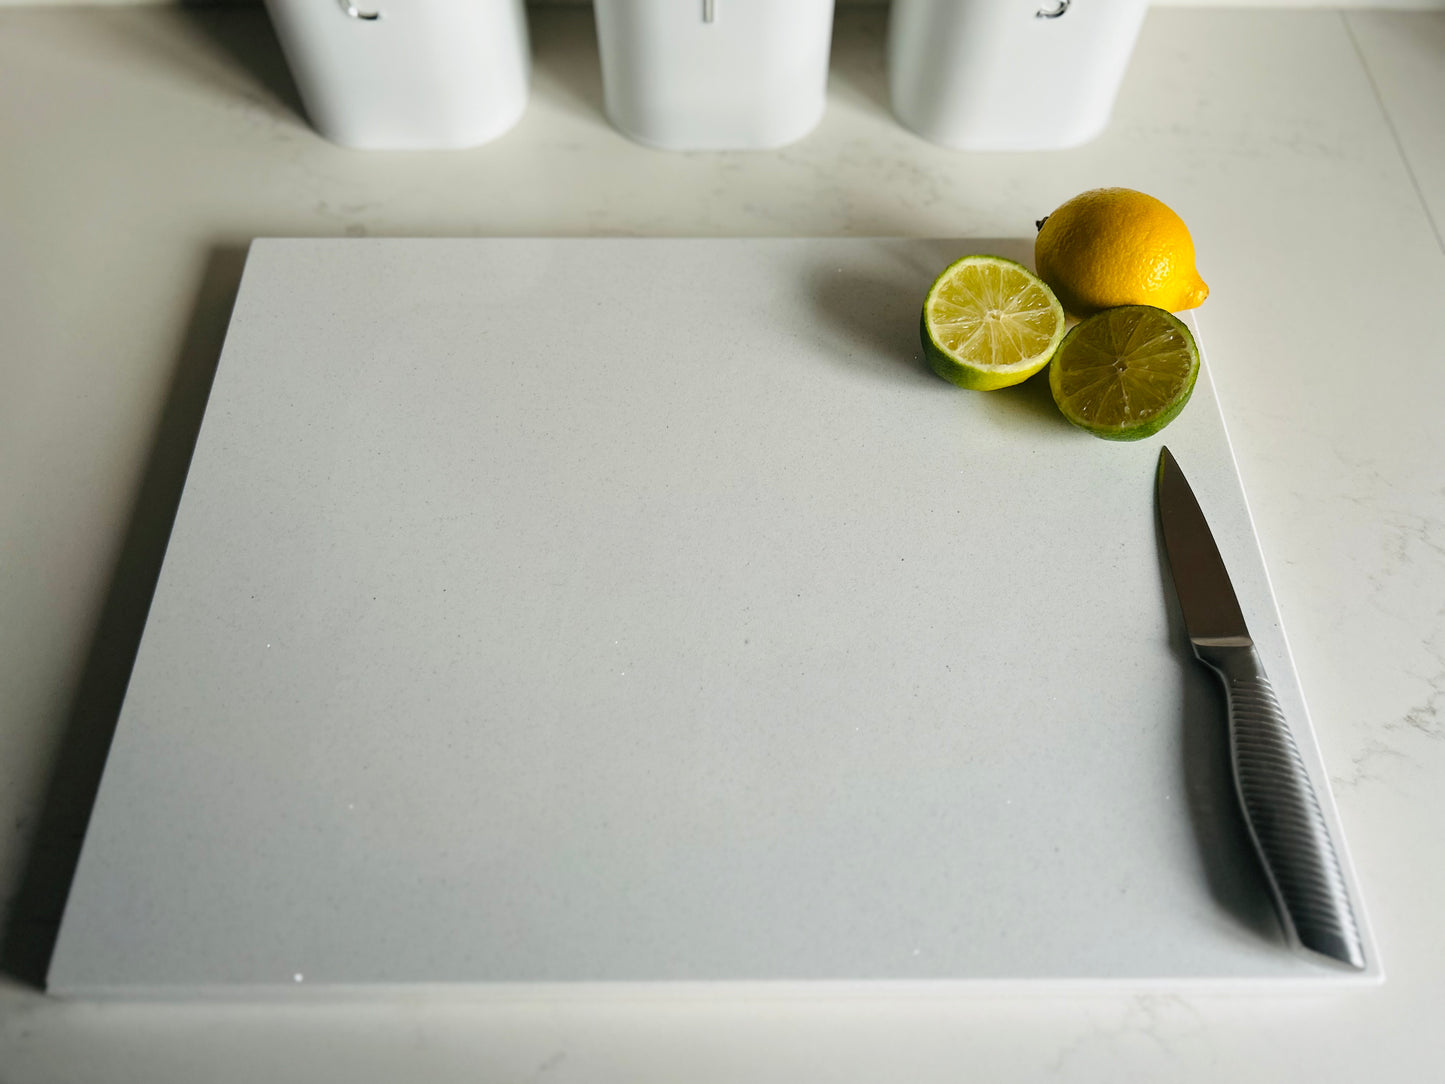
point(1281, 809)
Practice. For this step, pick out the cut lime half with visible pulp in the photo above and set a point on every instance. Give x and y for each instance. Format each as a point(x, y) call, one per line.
point(989, 323)
point(1125, 373)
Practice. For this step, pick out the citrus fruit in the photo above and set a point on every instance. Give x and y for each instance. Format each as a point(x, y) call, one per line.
point(1115, 246)
point(1125, 373)
point(989, 323)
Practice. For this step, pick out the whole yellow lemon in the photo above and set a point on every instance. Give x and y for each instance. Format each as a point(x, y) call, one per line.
point(1115, 246)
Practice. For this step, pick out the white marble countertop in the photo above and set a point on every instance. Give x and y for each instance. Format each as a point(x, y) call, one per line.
point(143, 148)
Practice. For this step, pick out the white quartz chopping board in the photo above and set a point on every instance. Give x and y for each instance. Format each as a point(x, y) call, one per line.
point(595, 612)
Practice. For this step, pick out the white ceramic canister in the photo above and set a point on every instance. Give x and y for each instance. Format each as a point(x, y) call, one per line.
point(407, 74)
point(1009, 74)
point(714, 74)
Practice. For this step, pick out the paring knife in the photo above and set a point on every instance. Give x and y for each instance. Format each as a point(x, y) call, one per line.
point(1279, 802)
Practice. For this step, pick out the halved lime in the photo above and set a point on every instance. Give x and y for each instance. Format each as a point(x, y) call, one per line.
point(1125, 373)
point(989, 323)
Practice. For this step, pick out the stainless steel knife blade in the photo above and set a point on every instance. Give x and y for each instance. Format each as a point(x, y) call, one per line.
point(1278, 799)
point(1211, 610)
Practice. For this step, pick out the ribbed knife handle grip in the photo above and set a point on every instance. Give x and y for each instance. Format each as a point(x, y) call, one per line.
point(1282, 811)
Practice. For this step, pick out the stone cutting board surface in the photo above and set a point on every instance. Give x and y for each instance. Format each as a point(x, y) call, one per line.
point(574, 614)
